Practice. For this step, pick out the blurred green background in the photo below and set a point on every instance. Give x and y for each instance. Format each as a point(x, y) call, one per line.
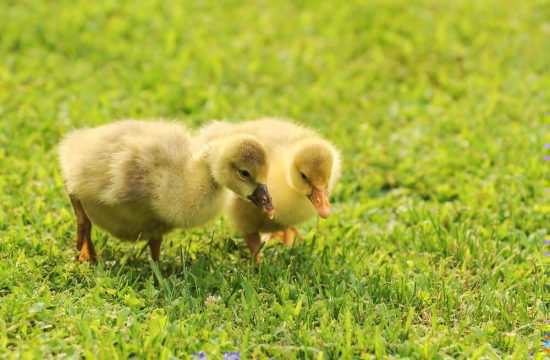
point(436, 245)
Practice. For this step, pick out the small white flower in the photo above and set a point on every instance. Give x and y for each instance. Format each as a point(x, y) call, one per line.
point(212, 300)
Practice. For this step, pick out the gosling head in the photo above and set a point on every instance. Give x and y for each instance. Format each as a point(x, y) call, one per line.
point(313, 170)
point(241, 165)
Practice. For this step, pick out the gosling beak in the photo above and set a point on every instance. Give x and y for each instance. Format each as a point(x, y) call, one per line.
point(260, 197)
point(319, 199)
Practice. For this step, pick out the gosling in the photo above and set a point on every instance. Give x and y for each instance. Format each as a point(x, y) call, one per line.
point(304, 168)
point(142, 179)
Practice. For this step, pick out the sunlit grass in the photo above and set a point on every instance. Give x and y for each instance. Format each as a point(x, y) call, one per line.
point(436, 244)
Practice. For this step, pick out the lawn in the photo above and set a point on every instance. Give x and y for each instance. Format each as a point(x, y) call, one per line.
point(435, 247)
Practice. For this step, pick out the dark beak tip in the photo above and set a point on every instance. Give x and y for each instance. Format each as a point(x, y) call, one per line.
point(261, 198)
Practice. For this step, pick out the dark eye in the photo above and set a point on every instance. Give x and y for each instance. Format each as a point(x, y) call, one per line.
point(244, 174)
point(303, 176)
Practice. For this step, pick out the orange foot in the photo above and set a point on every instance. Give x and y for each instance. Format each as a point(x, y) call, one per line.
point(82, 258)
point(286, 236)
point(87, 254)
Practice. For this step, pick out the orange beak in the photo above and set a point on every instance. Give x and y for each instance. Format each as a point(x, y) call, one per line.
point(319, 199)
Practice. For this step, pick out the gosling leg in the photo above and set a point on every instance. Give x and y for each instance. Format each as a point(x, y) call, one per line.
point(254, 244)
point(154, 246)
point(296, 234)
point(273, 235)
point(83, 233)
point(286, 236)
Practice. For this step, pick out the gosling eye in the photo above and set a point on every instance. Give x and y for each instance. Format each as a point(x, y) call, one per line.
point(304, 177)
point(245, 174)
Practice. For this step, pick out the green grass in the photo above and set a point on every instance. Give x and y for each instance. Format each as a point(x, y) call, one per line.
point(435, 248)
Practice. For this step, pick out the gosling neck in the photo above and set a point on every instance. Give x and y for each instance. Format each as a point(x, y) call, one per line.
point(205, 163)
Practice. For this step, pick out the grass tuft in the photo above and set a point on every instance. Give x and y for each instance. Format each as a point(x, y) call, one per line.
point(435, 248)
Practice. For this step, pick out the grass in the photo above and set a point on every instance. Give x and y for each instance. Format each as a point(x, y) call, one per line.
point(436, 245)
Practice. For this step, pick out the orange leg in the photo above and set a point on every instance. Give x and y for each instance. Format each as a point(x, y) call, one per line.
point(154, 246)
point(287, 236)
point(254, 244)
point(296, 233)
point(83, 233)
point(273, 235)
